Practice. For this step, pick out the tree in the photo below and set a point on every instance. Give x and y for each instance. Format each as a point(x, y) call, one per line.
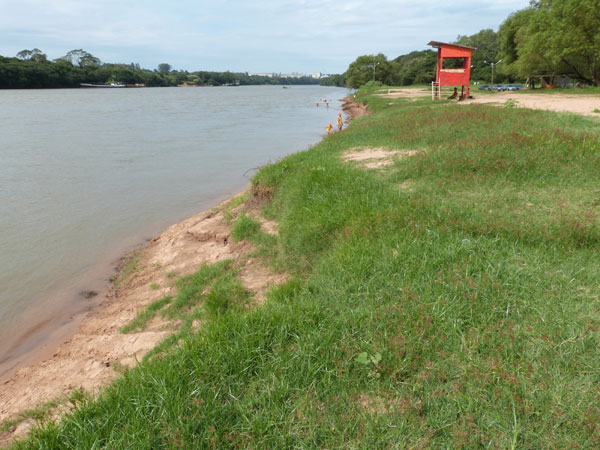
point(576, 43)
point(81, 58)
point(488, 48)
point(32, 55)
point(24, 55)
point(554, 37)
point(333, 80)
point(369, 68)
point(415, 67)
point(164, 68)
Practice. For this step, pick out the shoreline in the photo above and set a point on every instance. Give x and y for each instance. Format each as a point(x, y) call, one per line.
point(72, 357)
point(56, 315)
point(90, 347)
point(368, 340)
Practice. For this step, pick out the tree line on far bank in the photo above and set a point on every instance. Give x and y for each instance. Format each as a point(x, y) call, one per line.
point(550, 37)
point(32, 69)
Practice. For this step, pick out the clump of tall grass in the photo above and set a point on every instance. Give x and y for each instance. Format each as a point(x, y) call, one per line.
point(244, 227)
point(191, 288)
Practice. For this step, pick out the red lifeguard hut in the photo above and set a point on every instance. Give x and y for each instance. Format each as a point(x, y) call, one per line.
point(453, 69)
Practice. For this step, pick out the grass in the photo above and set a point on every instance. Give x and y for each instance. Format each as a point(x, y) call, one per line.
point(461, 313)
point(129, 269)
point(244, 227)
point(144, 316)
point(226, 295)
point(191, 289)
point(247, 228)
point(38, 414)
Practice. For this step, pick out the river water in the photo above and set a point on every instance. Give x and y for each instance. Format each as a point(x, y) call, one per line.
point(86, 174)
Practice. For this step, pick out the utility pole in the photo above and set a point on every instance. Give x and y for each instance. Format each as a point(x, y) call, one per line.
point(493, 64)
point(374, 67)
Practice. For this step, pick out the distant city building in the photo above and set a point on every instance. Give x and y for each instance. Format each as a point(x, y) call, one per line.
point(263, 74)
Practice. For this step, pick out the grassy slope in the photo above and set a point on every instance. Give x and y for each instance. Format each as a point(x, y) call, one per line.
point(452, 300)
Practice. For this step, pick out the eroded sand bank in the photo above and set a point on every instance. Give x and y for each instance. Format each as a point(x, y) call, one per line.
point(89, 358)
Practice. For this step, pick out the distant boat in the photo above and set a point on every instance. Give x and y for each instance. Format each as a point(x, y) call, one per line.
point(111, 85)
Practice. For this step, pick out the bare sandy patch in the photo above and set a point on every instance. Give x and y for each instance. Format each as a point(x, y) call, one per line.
point(258, 278)
point(579, 104)
point(407, 185)
point(269, 226)
point(404, 93)
point(373, 158)
point(374, 405)
point(88, 359)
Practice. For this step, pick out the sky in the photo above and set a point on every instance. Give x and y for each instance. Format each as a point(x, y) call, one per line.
point(305, 36)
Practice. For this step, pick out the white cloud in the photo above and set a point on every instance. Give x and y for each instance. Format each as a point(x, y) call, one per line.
point(287, 35)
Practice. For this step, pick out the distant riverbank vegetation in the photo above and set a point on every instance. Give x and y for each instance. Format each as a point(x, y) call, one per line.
point(32, 69)
point(550, 38)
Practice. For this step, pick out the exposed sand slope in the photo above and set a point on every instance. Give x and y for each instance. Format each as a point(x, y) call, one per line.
point(353, 109)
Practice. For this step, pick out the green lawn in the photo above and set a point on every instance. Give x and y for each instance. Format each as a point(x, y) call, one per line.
point(451, 300)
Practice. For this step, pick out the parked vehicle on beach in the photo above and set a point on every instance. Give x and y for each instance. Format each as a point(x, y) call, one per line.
point(498, 87)
point(484, 87)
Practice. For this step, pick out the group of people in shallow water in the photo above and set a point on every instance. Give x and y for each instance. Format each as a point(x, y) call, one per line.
point(340, 121)
point(340, 124)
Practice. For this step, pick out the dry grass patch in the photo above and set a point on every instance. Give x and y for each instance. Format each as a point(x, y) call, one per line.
point(403, 93)
point(374, 404)
point(407, 185)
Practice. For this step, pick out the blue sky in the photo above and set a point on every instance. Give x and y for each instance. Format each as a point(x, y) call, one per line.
point(285, 36)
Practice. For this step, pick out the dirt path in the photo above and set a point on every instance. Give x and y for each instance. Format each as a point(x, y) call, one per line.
point(574, 103)
point(87, 360)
